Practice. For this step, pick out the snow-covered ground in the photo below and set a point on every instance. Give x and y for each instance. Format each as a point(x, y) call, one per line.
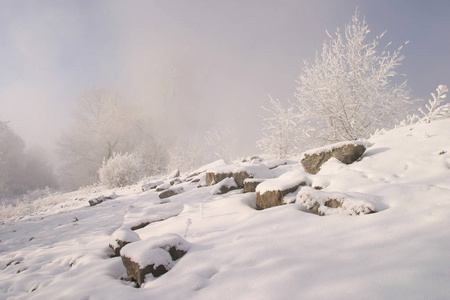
point(236, 252)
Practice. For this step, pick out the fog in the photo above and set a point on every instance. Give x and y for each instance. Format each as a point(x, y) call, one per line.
point(190, 65)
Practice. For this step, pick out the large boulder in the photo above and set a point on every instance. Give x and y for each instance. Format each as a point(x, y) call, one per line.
point(122, 237)
point(250, 184)
point(271, 192)
point(154, 256)
point(346, 152)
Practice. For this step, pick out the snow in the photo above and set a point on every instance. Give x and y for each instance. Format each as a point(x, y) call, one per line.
point(256, 171)
point(137, 215)
point(236, 252)
point(331, 147)
point(284, 182)
point(271, 164)
point(123, 234)
point(163, 186)
point(212, 165)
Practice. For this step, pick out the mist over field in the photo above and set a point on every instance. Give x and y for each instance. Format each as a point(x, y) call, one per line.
point(186, 68)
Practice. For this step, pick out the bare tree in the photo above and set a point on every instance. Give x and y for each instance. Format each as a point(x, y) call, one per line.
point(351, 88)
point(20, 170)
point(222, 140)
point(102, 125)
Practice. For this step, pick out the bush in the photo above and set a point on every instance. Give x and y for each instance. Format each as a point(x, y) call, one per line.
point(121, 170)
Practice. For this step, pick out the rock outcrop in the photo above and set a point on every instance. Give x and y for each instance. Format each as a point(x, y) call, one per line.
point(346, 152)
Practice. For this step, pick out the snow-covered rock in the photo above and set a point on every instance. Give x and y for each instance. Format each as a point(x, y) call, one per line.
point(250, 184)
point(101, 198)
point(120, 238)
point(163, 187)
point(223, 187)
point(238, 172)
point(346, 152)
point(154, 256)
point(271, 192)
point(329, 203)
point(171, 192)
point(151, 185)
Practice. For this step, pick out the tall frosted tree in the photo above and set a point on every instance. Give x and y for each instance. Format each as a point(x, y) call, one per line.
point(352, 87)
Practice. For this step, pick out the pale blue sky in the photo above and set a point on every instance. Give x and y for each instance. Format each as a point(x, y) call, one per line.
point(229, 55)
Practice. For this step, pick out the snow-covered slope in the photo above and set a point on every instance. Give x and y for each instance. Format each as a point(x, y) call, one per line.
point(237, 252)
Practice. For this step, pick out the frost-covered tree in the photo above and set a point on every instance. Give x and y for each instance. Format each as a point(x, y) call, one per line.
point(435, 109)
point(351, 88)
point(121, 170)
point(222, 140)
point(102, 125)
point(281, 135)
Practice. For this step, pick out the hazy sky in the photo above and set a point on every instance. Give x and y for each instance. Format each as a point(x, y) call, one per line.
point(218, 59)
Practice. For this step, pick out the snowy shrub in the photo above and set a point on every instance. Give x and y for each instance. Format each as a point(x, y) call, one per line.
point(121, 170)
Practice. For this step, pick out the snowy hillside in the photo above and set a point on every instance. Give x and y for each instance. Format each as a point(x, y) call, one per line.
point(237, 252)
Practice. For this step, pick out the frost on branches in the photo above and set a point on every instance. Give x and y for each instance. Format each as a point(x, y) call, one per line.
point(435, 109)
point(348, 91)
point(280, 131)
